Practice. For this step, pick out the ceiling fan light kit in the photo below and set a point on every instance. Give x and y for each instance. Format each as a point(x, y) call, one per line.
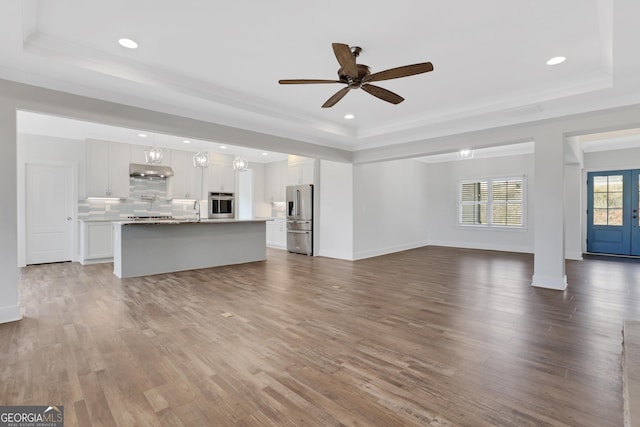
point(358, 76)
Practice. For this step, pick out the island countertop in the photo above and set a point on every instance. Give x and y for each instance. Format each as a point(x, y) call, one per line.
point(145, 247)
point(187, 221)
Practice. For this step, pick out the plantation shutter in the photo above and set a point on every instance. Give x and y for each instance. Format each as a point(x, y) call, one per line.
point(474, 202)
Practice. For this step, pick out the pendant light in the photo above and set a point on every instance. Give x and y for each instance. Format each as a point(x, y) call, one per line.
point(153, 155)
point(201, 159)
point(240, 164)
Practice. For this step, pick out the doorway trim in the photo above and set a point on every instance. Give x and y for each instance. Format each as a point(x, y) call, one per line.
point(22, 206)
point(585, 202)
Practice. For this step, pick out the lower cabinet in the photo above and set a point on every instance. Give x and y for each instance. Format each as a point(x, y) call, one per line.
point(96, 238)
point(277, 233)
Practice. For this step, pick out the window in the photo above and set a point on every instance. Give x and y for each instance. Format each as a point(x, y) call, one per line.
point(607, 200)
point(496, 202)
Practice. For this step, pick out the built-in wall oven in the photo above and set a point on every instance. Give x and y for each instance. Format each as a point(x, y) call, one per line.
point(220, 205)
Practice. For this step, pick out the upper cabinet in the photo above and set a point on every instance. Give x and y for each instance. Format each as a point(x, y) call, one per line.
point(301, 170)
point(186, 182)
point(275, 181)
point(219, 176)
point(107, 169)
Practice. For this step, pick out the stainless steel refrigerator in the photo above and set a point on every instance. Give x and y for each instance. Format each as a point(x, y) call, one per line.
point(300, 219)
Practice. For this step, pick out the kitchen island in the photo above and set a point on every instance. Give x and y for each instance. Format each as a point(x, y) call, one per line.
point(151, 247)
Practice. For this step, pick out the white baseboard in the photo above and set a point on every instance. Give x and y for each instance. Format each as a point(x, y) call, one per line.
point(337, 255)
point(10, 314)
point(388, 250)
point(576, 256)
point(487, 246)
point(276, 246)
point(96, 261)
point(548, 282)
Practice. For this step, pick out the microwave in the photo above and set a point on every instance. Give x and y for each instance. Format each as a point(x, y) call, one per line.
point(220, 205)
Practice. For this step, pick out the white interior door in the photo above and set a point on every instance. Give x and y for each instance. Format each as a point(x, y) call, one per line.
point(49, 208)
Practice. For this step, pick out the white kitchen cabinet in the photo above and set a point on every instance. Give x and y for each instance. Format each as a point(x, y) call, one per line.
point(138, 156)
point(96, 239)
point(219, 176)
point(301, 170)
point(277, 233)
point(186, 182)
point(107, 169)
point(275, 181)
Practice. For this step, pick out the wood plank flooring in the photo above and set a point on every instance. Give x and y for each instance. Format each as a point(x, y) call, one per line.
point(428, 337)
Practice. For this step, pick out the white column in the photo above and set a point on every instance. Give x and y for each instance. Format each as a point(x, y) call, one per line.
point(548, 197)
point(574, 212)
point(9, 309)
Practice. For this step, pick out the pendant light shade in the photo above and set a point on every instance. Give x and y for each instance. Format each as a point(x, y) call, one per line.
point(201, 160)
point(153, 155)
point(240, 164)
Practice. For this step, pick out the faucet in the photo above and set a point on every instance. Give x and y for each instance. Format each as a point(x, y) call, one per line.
point(196, 207)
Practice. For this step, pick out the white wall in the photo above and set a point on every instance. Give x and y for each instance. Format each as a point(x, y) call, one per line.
point(335, 238)
point(574, 212)
point(443, 179)
point(612, 160)
point(50, 148)
point(9, 308)
point(391, 208)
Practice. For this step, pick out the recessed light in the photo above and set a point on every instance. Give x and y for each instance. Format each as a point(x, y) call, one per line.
point(556, 60)
point(265, 154)
point(224, 147)
point(128, 43)
point(186, 142)
point(349, 116)
point(465, 154)
point(143, 135)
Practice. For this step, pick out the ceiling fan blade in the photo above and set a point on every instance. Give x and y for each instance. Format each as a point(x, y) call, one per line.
point(336, 97)
point(405, 71)
point(306, 81)
point(384, 94)
point(346, 59)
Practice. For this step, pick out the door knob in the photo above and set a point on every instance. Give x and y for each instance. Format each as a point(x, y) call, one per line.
point(68, 218)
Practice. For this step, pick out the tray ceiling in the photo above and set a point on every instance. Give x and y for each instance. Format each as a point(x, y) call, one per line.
point(221, 62)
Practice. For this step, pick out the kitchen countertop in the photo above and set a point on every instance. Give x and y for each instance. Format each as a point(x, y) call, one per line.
point(179, 220)
point(175, 221)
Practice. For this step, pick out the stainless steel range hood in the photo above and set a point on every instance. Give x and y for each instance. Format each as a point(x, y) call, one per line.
point(138, 170)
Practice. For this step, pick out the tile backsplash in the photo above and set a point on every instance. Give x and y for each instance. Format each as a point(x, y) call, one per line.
point(147, 197)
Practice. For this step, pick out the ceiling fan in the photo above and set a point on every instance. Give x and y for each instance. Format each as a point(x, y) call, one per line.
point(358, 76)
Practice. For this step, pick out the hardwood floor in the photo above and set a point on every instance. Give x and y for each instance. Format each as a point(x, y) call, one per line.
point(429, 337)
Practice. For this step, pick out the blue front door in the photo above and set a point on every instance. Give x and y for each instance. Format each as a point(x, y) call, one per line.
point(612, 214)
point(635, 209)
